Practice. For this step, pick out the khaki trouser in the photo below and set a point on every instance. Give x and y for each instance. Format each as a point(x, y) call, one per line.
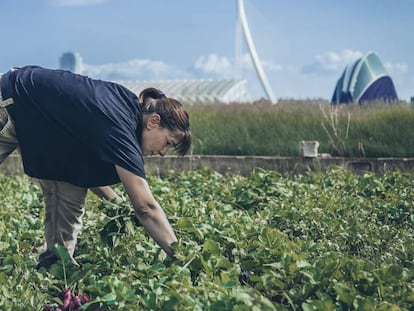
point(63, 220)
point(64, 202)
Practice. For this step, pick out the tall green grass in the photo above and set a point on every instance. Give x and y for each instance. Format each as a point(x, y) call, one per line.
point(371, 130)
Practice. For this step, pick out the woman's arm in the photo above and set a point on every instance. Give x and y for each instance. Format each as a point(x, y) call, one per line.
point(147, 209)
point(107, 193)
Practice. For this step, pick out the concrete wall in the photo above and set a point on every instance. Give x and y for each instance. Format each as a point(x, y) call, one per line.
point(244, 164)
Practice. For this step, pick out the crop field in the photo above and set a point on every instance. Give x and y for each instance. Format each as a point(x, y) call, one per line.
point(267, 241)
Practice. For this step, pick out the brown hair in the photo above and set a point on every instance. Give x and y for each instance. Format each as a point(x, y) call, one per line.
point(172, 113)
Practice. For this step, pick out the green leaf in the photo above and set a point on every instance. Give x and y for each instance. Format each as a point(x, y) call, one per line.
point(4, 246)
point(211, 247)
point(345, 293)
point(62, 253)
point(185, 223)
point(109, 298)
point(316, 305)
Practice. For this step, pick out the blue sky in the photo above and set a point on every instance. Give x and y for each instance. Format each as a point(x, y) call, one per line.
point(303, 45)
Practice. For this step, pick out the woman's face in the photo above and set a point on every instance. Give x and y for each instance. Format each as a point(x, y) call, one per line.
point(155, 139)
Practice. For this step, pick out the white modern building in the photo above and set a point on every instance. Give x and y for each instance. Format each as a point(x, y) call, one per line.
point(197, 91)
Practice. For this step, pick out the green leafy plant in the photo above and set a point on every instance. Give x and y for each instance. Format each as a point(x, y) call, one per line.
point(266, 241)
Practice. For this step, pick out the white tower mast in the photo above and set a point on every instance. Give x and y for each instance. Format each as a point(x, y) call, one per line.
point(253, 54)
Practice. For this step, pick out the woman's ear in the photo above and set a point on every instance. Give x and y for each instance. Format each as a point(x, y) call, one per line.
point(153, 121)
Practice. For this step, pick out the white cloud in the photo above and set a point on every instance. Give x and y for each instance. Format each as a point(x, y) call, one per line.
point(135, 69)
point(332, 61)
point(76, 2)
point(217, 66)
point(214, 64)
point(396, 69)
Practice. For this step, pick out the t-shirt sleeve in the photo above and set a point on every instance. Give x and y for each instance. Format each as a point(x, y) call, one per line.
point(120, 147)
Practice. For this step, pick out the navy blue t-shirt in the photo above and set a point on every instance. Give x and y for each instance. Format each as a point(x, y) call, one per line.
point(73, 128)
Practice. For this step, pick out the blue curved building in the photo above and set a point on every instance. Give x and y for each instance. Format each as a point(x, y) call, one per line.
point(363, 81)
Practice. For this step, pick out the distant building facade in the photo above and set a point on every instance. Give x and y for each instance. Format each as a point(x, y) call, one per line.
point(71, 61)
